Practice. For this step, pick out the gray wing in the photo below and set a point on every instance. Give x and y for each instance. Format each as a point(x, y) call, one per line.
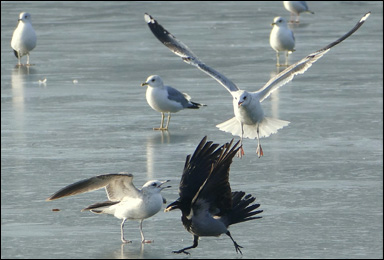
point(175, 95)
point(301, 66)
point(182, 50)
point(117, 187)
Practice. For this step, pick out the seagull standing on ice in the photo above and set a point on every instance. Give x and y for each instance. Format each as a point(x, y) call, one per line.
point(281, 39)
point(24, 37)
point(295, 8)
point(249, 120)
point(125, 200)
point(207, 204)
point(166, 99)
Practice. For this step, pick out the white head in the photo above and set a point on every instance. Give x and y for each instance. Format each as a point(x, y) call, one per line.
point(25, 17)
point(154, 186)
point(242, 98)
point(154, 81)
point(279, 22)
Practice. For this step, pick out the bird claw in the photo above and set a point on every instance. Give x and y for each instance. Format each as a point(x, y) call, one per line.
point(126, 241)
point(181, 251)
point(259, 151)
point(240, 152)
point(161, 128)
point(146, 241)
point(238, 248)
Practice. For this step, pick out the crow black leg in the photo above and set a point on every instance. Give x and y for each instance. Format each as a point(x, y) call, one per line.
point(234, 242)
point(195, 242)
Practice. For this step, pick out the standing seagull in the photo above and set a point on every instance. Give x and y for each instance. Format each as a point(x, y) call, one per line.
point(24, 37)
point(125, 200)
point(281, 39)
point(166, 99)
point(295, 8)
point(249, 120)
point(207, 204)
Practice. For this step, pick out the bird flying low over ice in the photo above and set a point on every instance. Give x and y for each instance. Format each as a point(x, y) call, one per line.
point(250, 120)
point(125, 201)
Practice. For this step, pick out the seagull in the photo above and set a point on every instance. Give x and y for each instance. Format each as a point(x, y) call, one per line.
point(281, 39)
point(125, 201)
point(24, 37)
point(249, 121)
point(207, 204)
point(295, 8)
point(166, 99)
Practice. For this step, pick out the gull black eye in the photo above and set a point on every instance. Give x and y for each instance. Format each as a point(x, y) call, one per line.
point(154, 184)
point(153, 80)
point(245, 97)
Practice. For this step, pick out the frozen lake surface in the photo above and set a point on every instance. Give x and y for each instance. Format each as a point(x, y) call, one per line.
point(320, 181)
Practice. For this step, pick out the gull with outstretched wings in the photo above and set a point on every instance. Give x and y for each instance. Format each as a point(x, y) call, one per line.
point(249, 121)
point(125, 201)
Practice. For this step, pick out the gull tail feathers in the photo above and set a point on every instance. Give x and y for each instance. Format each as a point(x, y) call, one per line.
point(267, 127)
point(192, 104)
point(231, 126)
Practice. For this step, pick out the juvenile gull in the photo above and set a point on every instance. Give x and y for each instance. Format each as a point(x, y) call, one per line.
point(281, 39)
point(166, 99)
point(295, 8)
point(125, 201)
point(23, 38)
point(207, 204)
point(249, 120)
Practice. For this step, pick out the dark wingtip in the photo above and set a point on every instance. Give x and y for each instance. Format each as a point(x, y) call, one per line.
point(148, 18)
point(365, 17)
point(53, 197)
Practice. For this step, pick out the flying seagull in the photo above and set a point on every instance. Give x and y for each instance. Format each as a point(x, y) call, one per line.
point(249, 121)
point(23, 38)
point(166, 99)
point(125, 201)
point(207, 204)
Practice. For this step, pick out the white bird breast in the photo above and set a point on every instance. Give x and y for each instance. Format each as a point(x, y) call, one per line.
point(24, 38)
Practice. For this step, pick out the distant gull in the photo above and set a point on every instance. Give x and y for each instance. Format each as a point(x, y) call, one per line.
point(125, 200)
point(281, 39)
point(207, 204)
point(24, 37)
point(249, 120)
point(166, 99)
point(295, 8)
